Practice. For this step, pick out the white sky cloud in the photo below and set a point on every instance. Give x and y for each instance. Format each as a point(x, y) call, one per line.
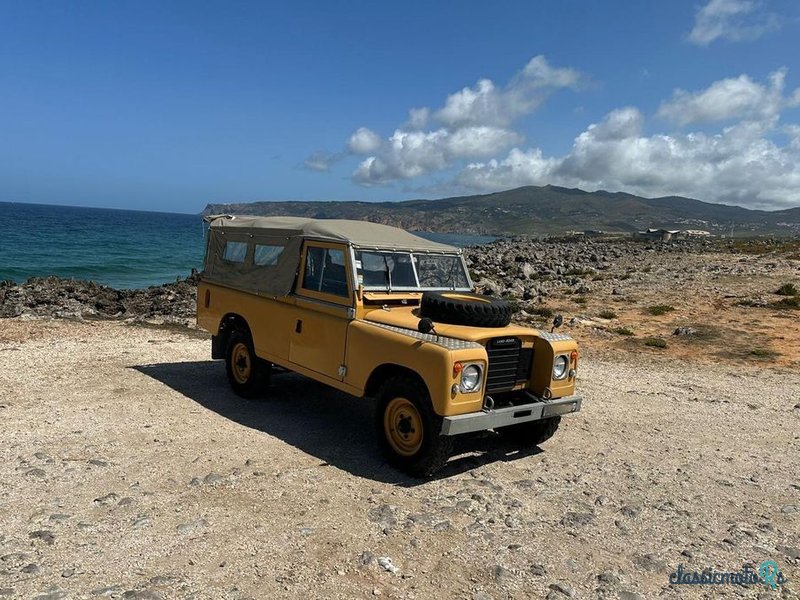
point(321, 161)
point(473, 123)
point(738, 165)
point(739, 98)
point(418, 118)
point(364, 141)
point(732, 20)
point(751, 159)
point(486, 104)
point(409, 154)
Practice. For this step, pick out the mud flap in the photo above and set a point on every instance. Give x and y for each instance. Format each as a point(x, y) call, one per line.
point(217, 351)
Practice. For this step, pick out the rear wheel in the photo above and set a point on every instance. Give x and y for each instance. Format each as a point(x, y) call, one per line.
point(408, 428)
point(247, 373)
point(531, 433)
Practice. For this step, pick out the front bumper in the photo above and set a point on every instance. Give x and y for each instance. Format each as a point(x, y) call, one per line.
point(511, 415)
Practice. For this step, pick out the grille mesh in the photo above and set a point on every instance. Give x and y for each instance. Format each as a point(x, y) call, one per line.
point(509, 364)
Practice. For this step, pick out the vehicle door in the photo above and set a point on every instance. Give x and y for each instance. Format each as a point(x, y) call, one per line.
point(325, 307)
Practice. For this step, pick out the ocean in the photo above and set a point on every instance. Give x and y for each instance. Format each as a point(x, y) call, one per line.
point(118, 248)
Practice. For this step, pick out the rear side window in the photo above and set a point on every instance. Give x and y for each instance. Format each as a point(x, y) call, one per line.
point(267, 255)
point(235, 252)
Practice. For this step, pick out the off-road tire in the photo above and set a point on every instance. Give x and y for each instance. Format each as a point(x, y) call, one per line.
point(465, 308)
point(435, 448)
point(248, 380)
point(531, 433)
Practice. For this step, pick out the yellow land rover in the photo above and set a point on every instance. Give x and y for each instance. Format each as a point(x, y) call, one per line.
point(377, 312)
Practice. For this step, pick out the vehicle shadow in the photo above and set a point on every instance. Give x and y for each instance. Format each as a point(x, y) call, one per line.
point(330, 425)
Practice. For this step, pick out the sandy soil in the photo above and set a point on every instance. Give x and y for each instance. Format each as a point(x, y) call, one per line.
point(727, 301)
point(129, 470)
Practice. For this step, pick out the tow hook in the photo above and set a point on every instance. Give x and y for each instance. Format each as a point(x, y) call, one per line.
point(488, 404)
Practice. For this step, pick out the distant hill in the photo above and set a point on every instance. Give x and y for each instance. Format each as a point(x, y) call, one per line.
point(537, 211)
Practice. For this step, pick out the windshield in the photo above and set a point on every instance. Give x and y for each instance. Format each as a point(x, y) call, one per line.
point(408, 271)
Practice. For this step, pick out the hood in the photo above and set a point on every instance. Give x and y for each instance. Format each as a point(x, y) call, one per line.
point(408, 318)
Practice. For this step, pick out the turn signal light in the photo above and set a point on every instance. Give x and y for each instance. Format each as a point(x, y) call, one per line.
point(574, 356)
point(457, 368)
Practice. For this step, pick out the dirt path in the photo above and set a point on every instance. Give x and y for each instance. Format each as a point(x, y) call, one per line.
point(130, 470)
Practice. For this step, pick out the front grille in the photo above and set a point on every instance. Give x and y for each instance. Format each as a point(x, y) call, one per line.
point(509, 364)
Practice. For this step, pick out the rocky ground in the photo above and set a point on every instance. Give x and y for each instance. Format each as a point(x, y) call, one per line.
point(704, 301)
point(129, 470)
point(77, 299)
point(700, 300)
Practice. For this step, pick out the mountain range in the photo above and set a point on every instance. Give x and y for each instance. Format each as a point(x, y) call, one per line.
point(545, 210)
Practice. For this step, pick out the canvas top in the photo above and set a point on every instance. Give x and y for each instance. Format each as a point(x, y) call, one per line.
point(362, 234)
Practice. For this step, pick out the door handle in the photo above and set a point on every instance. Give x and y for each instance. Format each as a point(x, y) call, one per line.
point(298, 327)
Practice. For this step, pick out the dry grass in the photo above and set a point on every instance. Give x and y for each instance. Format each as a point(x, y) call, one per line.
point(788, 289)
point(660, 309)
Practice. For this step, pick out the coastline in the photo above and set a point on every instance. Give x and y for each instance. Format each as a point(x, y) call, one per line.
point(713, 301)
point(76, 299)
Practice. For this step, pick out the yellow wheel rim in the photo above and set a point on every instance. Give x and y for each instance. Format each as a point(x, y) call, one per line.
point(241, 363)
point(402, 425)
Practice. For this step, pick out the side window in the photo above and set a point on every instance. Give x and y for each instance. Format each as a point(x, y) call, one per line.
point(267, 255)
point(312, 277)
point(235, 252)
point(325, 271)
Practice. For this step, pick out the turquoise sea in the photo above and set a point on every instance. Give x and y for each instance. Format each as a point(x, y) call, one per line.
point(120, 248)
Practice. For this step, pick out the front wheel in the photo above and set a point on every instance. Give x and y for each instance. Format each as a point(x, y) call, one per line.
point(408, 428)
point(246, 372)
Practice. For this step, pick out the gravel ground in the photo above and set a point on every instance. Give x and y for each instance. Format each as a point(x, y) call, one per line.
point(129, 470)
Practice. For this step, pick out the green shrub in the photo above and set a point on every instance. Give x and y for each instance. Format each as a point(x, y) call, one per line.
point(607, 314)
point(655, 342)
point(543, 311)
point(660, 309)
point(580, 300)
point(788, 289)
point(789, 302)
point(763, 353)
point(513, 302)
point(623, 331)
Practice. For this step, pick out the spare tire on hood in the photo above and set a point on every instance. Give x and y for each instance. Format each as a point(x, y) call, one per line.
point(465, 308)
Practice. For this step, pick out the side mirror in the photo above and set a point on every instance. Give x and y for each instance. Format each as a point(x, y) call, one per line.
point(557, 322)
point(425, 325)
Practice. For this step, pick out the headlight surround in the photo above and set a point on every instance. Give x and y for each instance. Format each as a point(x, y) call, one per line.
point(560, 366)
point(471, 376)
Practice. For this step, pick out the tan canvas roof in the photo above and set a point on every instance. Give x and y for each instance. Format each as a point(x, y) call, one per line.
point(286, 234)
point(362, 234)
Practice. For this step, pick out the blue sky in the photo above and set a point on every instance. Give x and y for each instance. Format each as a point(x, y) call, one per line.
point(169, 106)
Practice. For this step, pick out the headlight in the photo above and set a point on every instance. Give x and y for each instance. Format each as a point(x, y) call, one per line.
point(560, 364)
point(470, 378)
